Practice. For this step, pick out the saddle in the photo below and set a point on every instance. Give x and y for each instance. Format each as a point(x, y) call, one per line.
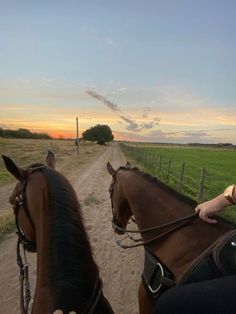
point(218, 260)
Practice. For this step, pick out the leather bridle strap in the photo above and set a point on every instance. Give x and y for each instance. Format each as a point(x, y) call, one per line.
point(168, 224)
point(158, 237)
point(21, 236)
point(25, 294)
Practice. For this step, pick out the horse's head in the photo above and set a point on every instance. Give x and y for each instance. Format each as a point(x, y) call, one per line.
point(120, 207)
point(19, 202)
point(50, 160)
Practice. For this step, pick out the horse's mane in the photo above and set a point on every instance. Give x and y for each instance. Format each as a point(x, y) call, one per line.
point(187, 200)
point(72, 267)
point(161, 185)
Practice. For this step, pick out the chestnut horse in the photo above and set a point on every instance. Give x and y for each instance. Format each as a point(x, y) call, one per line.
point(171, 232)
point(48, 219)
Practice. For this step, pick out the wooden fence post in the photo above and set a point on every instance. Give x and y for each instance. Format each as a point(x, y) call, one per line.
point(168, 170)
point(181, 176)
point(201, 185)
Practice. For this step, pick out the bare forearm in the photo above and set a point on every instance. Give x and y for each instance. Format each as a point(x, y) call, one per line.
point(207, 209)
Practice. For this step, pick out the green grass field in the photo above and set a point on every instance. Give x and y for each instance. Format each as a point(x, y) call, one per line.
point(219, 165)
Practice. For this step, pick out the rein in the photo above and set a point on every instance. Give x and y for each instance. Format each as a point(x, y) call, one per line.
point(181, 222)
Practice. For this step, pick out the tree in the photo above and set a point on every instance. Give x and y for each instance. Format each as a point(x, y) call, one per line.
point(99, 133)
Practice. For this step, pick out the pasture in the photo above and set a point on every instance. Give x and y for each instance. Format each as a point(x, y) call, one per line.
point(28, 151)
point(167, 163)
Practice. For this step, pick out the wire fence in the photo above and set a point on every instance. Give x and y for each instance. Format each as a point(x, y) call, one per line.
point(197, 183)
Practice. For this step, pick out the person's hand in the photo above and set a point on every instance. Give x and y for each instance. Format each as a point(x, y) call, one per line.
point(208, 209)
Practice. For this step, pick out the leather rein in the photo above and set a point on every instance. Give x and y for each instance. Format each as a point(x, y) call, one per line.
point(175, 224)
point(25, 244)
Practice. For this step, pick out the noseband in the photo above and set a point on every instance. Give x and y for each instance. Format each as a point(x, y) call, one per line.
point(175, 224)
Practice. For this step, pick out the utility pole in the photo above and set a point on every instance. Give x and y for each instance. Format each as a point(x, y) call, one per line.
point(77, 135)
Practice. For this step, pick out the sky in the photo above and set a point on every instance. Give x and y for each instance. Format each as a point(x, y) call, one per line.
point(155, 71)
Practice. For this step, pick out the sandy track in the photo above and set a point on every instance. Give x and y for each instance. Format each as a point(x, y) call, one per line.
point(119, 269)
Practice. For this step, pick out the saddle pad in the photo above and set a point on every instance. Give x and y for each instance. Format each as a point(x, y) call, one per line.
point(218, 260)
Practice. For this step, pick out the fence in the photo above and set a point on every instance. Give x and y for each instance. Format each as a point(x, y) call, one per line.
point(197, 183)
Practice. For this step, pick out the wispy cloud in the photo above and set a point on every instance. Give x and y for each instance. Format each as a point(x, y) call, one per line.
point(201, 136)
point(201, 131)
point(131, 124)
point(93, 34)
point(146, 111)
point(107, 102)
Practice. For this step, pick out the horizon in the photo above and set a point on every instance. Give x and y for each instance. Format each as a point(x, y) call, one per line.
point(164, 72)
point(128, 141)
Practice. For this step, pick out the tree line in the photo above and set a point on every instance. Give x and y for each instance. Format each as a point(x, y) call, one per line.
point(23, 133)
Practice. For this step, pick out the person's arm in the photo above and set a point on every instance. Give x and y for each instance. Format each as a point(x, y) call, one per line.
point(217, 204)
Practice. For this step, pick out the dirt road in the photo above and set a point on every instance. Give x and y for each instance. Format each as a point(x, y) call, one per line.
point(119, 269)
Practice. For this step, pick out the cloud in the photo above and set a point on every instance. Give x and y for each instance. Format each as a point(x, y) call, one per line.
point(192, 133)
point(107, 102)
point(131, 124)
point(199, 136)
point(146, 111)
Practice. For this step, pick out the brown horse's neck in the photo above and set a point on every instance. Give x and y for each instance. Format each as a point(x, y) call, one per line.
point(66, 271)
point(153, 204)
point(150, 204)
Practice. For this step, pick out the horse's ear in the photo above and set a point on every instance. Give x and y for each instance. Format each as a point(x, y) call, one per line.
point(128, 164)
point(18, 173)
point(110, 169)
point(50, 160)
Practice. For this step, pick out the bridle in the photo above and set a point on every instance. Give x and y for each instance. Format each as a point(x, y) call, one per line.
point(175, 225)
point(23, 244)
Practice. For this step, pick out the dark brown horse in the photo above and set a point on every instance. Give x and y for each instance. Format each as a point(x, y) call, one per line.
point(49, 221)
point(172, 234)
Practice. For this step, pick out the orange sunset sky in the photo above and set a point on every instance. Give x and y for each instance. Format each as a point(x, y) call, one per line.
point(164, 72)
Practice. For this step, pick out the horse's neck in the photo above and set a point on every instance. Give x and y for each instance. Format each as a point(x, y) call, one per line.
point(43, 290)
point(150, 205)
point(46, 286)
point(43, 294)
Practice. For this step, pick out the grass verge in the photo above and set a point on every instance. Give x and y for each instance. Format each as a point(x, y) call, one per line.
point(7, 223)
